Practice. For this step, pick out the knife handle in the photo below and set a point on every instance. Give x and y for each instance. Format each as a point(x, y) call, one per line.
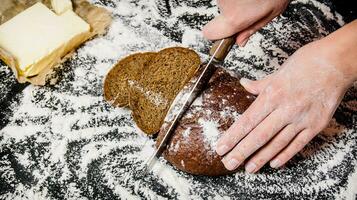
point(225, 47)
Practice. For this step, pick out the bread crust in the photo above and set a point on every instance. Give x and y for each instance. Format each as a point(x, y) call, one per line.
point(222, 101)
point(188, 149)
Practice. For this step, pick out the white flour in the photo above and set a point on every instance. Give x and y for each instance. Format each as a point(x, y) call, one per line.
point(174, 147)
point(155, 98)
point(210, 132)
point(187, 132)
point(83, 137)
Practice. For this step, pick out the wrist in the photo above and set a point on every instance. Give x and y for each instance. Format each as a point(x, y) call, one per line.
point(340, 50)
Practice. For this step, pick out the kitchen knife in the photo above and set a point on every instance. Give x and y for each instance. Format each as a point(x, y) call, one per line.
point(218, 52)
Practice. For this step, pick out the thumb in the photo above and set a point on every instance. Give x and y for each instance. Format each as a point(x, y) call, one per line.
point(255, 87)
point(250, 86)
point(218, 28)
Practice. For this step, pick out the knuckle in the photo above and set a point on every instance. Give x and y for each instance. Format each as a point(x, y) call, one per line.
point(239, 155)
point(261, 138)
point(298, 107)
point(282, 142)
point(300, 143)
point(272, 89)
point(246, 120)
point(283, 157)
point(259, 161)
point(272, 94)
point(233, 139)
point(226, 141)
point(233, 136)
point(247, 123)
point(267, 91)
point(323, 124)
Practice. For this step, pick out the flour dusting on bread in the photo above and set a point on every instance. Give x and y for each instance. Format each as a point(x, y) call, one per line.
point(195, 138)
point(155, 98)
point(210, 133)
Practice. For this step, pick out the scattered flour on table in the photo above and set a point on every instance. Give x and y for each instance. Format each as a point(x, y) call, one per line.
point(170, 176)
point(325, 9)
point(74, 123)
point(150, 41)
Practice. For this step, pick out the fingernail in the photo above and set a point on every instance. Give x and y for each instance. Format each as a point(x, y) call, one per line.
point(244, 81)
point(222, 149)
point(232, 164)
point(244, 42)
point(275, 163)
point(250, 167)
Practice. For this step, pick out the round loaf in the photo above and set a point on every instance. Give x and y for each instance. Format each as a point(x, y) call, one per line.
point(192, 146)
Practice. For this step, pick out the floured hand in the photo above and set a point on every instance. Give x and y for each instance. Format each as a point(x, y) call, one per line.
point(293, 105)
point(244, 17)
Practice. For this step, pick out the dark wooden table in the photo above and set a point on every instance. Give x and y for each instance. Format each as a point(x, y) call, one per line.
point(65, 141)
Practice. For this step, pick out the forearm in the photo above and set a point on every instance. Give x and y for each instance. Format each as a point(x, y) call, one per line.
point(341, 48)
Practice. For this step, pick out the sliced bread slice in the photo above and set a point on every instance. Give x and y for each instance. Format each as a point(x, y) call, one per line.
point(128, 69)
point(151, 95)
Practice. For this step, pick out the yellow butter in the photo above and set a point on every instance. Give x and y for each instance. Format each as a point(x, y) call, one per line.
point(37, 37)
point(61, 6)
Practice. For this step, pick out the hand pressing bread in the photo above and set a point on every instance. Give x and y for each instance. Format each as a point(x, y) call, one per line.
point(293, 106)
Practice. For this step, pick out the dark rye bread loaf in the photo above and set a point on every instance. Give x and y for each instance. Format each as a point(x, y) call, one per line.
point(160, 82)
point(148, 82)
point(116, 89)
point(192, 146)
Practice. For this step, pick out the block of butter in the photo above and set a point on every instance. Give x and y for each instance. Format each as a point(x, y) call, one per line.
point(38, 38)
point(61, 6)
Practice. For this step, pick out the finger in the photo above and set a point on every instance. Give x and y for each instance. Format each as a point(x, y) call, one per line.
point(269, 151)
point(245, 34)
point(220, 4)
point(251, 86)
point(255, 87)
point(255, 113)
point(219, 28)
point(225, 4)
point(255, 139)
point(298, 143)
point(224, 26)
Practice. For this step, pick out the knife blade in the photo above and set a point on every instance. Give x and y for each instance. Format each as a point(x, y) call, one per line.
point(218, 52)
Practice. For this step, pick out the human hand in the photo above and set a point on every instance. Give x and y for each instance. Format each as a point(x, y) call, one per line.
point(244, 17)
point(293, 105)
